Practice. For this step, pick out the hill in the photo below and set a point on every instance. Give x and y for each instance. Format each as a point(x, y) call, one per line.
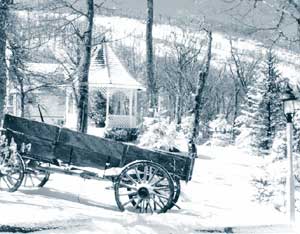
point(234, 17)
point(231, 17)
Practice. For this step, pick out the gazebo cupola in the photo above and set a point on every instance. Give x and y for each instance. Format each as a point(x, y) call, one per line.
point(109, 76)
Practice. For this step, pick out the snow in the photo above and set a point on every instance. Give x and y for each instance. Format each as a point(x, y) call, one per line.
point(220, 195)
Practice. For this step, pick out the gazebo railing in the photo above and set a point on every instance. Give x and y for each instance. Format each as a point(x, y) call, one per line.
point(121, 121)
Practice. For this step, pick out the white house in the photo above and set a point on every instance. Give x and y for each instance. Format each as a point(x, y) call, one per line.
point(39, 92)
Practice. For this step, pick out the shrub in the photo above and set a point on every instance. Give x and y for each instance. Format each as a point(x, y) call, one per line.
point(122, 134)
point(158, 133)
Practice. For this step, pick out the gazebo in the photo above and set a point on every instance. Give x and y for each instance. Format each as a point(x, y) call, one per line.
point(109, 76)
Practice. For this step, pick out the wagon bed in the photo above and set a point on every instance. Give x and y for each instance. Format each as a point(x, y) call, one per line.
point(149, 180)
point(50, 143)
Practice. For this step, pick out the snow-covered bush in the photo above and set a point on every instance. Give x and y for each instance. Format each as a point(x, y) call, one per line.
point(271, 184)
point(279, 145)
point(221, 131)
point(242, 133)
point(158, 133)
point(122, 134)
point(187, 126)
point(5, 148)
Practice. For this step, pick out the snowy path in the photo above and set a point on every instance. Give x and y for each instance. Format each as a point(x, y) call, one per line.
point(219, 196)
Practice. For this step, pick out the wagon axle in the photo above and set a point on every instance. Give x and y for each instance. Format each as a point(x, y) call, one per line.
point(143, 193)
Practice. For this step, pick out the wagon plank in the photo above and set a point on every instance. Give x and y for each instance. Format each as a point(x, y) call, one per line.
point(40, 149)
point(85, 150)
point(31, 127)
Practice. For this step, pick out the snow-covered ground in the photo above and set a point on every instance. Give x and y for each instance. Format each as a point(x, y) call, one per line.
point(219, 197)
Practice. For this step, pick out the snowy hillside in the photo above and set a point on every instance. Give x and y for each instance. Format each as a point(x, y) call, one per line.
point(131, 32)
point(219, 198)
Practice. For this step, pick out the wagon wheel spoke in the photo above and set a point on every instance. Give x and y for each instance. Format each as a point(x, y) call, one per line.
point(152, 176)
point(35, 177)
point(152, 186)
point(128, 202)
point(11, 177)
point(7, 183)
point(158, 181)
point(138, 175)
point(128, 186)
point(150, 207)
point(137, 203)
point(161, 196)
point(162, 188)
point(133, 194)
point(156, 203)
point(130, 178)
point(145, 173)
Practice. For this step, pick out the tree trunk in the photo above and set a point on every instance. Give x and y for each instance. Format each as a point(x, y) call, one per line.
point(235, 113)
point(198, 98)
point(152, 89)
point(178, 109)
point(3, 69)
point(83, 75)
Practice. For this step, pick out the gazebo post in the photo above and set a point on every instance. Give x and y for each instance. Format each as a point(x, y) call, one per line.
point(135, 106)
point(107, 107)
point(67, 106)
point(130, 108)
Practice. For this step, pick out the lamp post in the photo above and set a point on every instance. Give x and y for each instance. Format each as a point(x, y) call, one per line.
point(289, 99)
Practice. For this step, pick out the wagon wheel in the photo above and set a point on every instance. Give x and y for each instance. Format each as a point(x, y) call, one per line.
point(11, 171)
point(34, 177)
point(177, 190)
point(144, 187)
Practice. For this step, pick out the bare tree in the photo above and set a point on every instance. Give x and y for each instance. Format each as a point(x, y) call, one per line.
point(283, 18)
point(243, 69)
point(180, 65)
point(151, 81)
point(203, 74)
point(4, 8)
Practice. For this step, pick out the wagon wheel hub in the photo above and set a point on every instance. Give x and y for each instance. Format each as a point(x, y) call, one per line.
point(143, 193)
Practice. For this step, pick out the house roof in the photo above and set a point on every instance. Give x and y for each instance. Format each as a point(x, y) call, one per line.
point(106, 70)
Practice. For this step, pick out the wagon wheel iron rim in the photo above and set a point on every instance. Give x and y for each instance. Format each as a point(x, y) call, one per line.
point(34, 177)
point(177, 190)
point(144, 187)
point(11, 172)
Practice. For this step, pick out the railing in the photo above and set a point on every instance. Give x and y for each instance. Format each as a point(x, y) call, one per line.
point(121, 121)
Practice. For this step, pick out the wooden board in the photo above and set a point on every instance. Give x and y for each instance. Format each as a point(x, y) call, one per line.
point(31, 128)
point(85, 150)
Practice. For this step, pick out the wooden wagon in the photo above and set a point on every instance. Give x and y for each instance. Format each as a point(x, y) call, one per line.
point(148, 182)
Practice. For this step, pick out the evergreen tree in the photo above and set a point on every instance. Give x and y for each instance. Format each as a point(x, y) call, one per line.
point(272, 102)
point(249, 126)
point(262, 117)
point(98, 108)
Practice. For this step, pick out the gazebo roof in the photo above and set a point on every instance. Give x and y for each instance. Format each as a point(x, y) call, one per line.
point(107, 71)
